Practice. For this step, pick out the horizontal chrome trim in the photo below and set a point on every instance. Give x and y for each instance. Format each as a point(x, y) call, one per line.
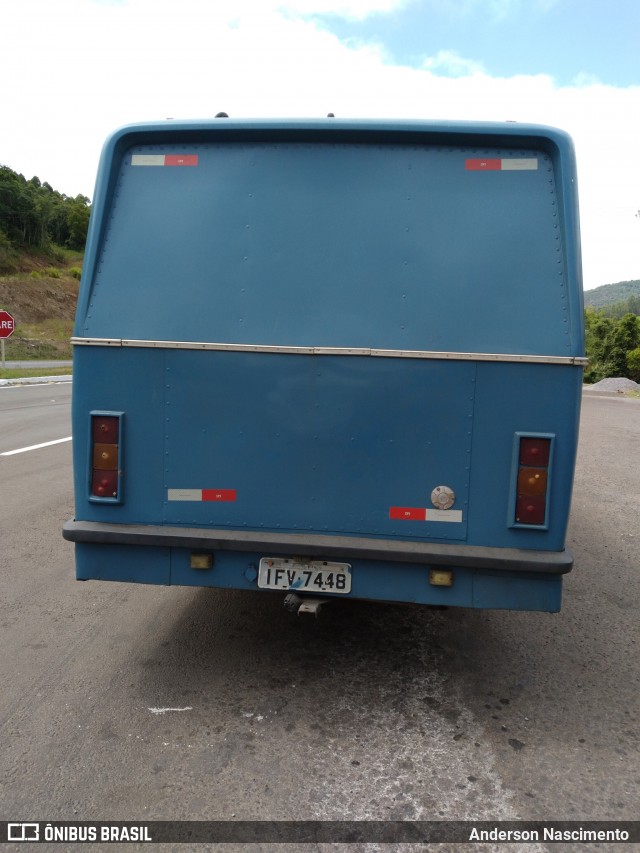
point(358, 351)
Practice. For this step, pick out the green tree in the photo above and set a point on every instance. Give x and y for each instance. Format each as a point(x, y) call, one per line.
point(617, 310)
point(43, 211)
point(633, 364)
point(78, 221)
point(608, 343)
point(32, 213)
point(598, 335)
point(625, 337)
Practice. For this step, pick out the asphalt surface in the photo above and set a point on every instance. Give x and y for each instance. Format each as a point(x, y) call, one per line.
point(123, 702)
point(29, 364)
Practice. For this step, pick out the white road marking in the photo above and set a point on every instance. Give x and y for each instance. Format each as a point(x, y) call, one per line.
point(165, 710)
point(35, 446)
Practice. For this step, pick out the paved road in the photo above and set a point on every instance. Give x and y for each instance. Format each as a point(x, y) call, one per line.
point(372, 711)
point(14, 365)
point(31, 415)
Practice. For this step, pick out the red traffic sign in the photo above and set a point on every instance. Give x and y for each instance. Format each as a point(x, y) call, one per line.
point(7, 324)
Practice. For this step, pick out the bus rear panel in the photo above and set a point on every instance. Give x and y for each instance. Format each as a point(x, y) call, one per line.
point(332, 359)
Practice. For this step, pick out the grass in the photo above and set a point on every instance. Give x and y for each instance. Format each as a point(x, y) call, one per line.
point(39, 290)
point(19, 373)
point(48, 340)
point(56, 329)
point(18, 349)
point(41, 295)
point(67, 256)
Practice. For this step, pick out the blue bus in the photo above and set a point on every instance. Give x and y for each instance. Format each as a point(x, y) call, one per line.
point(331, 358)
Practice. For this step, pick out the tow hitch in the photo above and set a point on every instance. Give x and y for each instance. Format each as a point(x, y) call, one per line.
point(299, 604)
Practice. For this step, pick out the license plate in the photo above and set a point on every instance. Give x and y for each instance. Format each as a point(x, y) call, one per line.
point(313, 576)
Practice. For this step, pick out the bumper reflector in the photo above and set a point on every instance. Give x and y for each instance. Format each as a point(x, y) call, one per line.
point(201, 561)
point(440, 577)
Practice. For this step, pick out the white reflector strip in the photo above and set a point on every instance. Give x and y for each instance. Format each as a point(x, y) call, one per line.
point(184, 494)
point(523, 164)
point(454, 515)
point(147, 159)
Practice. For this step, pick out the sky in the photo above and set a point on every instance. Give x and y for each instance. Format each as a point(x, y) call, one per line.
point(72, 71)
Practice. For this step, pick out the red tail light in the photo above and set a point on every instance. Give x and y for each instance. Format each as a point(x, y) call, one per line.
point(105, 429)
point(535, 451)
point(104, 484)
point(532, 481)
point(531, 510)
point(105, 481)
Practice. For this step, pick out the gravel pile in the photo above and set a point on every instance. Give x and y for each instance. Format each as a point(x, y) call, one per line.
point(616, 384)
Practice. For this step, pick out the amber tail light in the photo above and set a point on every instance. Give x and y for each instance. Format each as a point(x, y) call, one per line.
point(105, 480)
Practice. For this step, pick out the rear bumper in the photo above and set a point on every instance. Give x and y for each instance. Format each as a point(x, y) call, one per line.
point(512, 560)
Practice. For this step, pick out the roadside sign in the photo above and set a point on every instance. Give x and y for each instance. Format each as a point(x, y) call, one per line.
point(7, 324)
point(7, 328)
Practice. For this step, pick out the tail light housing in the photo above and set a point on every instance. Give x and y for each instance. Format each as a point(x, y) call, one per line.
point(532, 468)
point(105, 457)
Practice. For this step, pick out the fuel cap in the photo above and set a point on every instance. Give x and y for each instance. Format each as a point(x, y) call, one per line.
point(443, 497)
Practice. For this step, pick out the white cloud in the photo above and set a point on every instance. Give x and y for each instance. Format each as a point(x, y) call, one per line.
point(586, 78)
point(80, 68)
point(451, 64)
point(356, 10)
point(492, 10)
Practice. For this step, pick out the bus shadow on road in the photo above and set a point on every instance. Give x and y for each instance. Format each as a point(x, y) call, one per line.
point(229, 651)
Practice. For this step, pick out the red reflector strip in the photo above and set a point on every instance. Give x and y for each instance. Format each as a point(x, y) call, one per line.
point(180, 159)
point(483, 165)
point(407, 513)
point(218, 494)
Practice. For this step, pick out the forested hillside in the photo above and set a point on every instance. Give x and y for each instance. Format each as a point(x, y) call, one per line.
point(34, 216)
point(623, 294)
point(42, 237)
point(612, 326)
